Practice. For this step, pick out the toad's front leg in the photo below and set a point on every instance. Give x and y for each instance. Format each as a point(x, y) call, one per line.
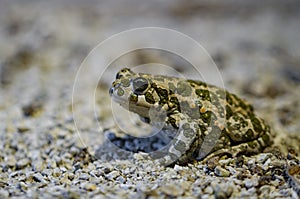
point(184, 144)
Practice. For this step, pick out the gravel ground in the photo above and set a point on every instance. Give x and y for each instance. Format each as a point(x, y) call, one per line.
point(257, 50)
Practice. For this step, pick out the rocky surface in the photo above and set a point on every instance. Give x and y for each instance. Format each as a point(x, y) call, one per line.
point(43, 154)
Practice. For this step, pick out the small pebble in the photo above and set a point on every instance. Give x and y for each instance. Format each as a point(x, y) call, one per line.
point(11, 161)
point(178, 168)
point(121, 179)
point(112, 175)
point(208, 190)
point(47, 172)
point(4, 193)
point(39, 178)
point(89, 186)
point(219, 171)
point(56, 172)
point(84, 176)
point(172, 190)
point(23, 163)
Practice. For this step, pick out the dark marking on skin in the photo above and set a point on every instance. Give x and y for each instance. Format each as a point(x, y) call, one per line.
point(228, 123)
point(163, 95)
point(229, 112)
point(153, 85)
point(256, 124)
point(244, 123)
point(194, 83)
point(235, 99)
point(174, 104)
point(203, 94)
point(203, 129)
point(133, 98)
point(266, 139)
point(193, 152)
point(172, 121)
point(244, 106)
point(240, 121)
point(225, 136)
point(208, 117)
point(229, 99)
point(247, 107)
point(252, 144)
point(149, 98)
point(124, 70)
point(248, 135)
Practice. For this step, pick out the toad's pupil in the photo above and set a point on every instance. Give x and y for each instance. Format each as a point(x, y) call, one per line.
point(140, 84)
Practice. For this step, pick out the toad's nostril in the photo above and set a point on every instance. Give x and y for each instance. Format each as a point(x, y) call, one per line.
point(111, 90)
point(118, 76)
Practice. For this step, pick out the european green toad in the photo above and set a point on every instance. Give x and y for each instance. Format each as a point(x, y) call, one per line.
point(206, 120)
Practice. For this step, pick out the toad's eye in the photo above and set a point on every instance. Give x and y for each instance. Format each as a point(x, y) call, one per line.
point(140, 85)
